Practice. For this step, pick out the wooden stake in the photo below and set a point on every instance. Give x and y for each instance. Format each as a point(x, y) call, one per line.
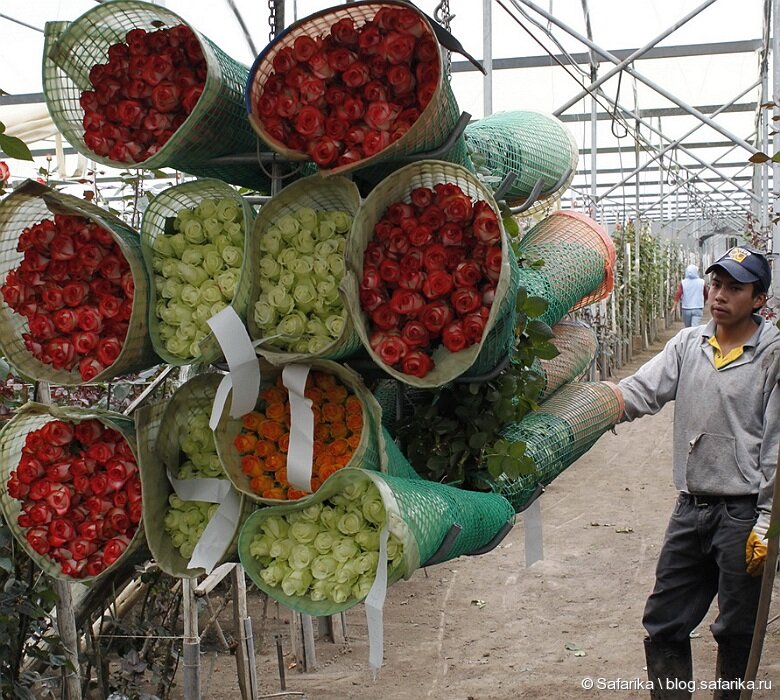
point(245, 657)
point(66, 623)
point(191, 643)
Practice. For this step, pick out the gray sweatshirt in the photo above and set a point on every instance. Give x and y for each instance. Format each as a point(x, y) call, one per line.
point(726, 422)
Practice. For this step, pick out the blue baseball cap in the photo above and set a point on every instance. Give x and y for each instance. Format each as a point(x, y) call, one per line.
point(746, 265)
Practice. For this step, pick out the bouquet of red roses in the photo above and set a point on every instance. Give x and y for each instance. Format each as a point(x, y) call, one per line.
point(341, 86)
point(70, 489)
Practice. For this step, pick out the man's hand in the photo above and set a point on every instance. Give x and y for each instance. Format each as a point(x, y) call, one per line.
point(755, 552)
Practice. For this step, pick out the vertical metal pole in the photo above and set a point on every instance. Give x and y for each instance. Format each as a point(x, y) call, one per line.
point(245, 653)
point(191, 673)
point(66, 619)
point(487, 56)
point(776, 138)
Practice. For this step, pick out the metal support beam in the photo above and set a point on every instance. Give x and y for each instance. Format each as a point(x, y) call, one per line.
point(629, 59)
point(487, 56)
point(651, 84)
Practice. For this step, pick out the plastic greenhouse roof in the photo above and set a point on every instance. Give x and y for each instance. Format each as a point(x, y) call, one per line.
point(710, 61)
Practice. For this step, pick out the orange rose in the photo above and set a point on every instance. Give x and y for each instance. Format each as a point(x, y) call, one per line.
point(245, 443)
point(324, 380)
point(275, 493)
point(353, 405)
point(355, 422)
point(321, 432)
point(319, 448)
point(327, 470)
point(333, 413)
point(263, 448)
point(353, 441)
point(284, 443)
point(261, 483)
point(337, 394)
point(338, 430)
point(274, 462)
point(338, 447)
point(279, 412)
point(313, 393)
point(295, 494)
point(343, 460)
point(271, 430)
point(251, 420)
point(281, 477)
point(317, 413)
point(274, 394)
point(251, 465)
point(315, 483)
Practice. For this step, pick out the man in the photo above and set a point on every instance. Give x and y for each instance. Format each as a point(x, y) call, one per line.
point(691, 295)
point(723, 378)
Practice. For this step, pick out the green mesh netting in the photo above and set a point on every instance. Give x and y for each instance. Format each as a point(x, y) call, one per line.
point(430, 130)
point(577, 344)
point(33, 416)
point(367, 455)
point(565, 427)
point(579, 259)
point(386, 394)
point(29, 204)
point(531, 145)
point(161, 427)
point(397, 464)
point(157, 222)
point(420, 514)
point(333, 194)
point(217, 126)
point(448, 365)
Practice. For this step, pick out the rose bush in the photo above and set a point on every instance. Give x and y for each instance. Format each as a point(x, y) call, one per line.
point(75, 288)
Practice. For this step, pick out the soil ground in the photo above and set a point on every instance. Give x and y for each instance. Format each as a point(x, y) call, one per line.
point(491, 628)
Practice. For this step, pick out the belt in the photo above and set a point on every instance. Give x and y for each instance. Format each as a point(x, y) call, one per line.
point(704, 500)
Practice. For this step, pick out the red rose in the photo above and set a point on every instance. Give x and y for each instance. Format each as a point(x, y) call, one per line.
point(457, 207)
point(389, 271)
point(109, 305)
point(373, 255)
point(111, 267)
point(356, 75)
point(81, 549)
point(416, 363)
point(399, 48)
point(452, 235)
point(438, 284)
point(465, 300)
point(91, 530)
point(493, 262)
point(371, 299)
point(467, 274)
point(88, 431)
point(412, 261)
point(324, 151)
point(398, 245)
point(432, 215)
point(335, 95)
point(38, 539)
point(303, 48)
point(370, 40)
point(400, 79)
point(131, 112)
point(344, 32)
point(407, 21)
point(42, 327)
point(108, 350)
point(335, 128)
point(40, 513)
point(488, 291)
point(74, 293)
point(384, 317)
point(51, 297)
point(59, 471)
point(116, 520)
point(114, 549)
point(375, 91)
point(133, 490)
point(454, 337)
point(380, 115)
point(320, 66)
point(85, 341)
point(422, 198)
point(312, 91)
point(61, 532)
point(310, 122)
point(59, 498)
point(425, 93)
point(58, 432)
point(60, 352)
point(485, 224)
point(406, 302)
point(389, 346)
point(89, 318)
point(421, 235)
point(101, 451)
point(371, 278)
point(434, 257)
point(411, 279)
point(39, 489)
point(287, 103)
point(427, 72)
point(165, 97)
point(415, 334)
point(93, 566)
point(435, 316)
point(354, 136)
point(89, 368)
point(375, 141)
point(474, 326)
point(29, 470)
point(35, 261)
point(128, 284)
point(17, 489)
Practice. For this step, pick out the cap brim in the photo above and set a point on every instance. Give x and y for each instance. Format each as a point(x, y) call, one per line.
point(734, 269)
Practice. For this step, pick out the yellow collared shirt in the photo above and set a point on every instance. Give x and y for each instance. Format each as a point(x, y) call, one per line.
point(722, 360)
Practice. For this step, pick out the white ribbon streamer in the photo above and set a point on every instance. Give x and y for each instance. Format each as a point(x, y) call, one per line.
point(212, 543)
point(300, 454)
point(244, 370)
point(375, 603)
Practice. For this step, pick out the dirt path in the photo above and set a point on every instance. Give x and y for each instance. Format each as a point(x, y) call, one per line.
point(536, 632)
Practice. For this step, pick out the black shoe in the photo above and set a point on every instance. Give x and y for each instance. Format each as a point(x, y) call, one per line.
point(733, 654)
point(670, 669)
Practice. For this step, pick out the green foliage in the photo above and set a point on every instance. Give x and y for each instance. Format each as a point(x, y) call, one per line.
point(12, 146)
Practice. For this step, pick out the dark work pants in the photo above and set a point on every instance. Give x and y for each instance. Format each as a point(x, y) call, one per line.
point(703, 554)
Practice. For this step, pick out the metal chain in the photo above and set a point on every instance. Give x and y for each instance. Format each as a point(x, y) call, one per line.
point(271, 20)
point(442, 15)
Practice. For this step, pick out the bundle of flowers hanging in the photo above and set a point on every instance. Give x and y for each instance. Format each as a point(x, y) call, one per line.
point(344, 85)
point(74, 286)
point(145, 91)
point(73, 494)
point(256, 449)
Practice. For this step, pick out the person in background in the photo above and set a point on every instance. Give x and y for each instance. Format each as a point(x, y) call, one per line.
point(723, 378)
point(691, 295)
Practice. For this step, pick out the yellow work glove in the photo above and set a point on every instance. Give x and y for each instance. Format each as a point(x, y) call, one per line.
point(755, 552)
